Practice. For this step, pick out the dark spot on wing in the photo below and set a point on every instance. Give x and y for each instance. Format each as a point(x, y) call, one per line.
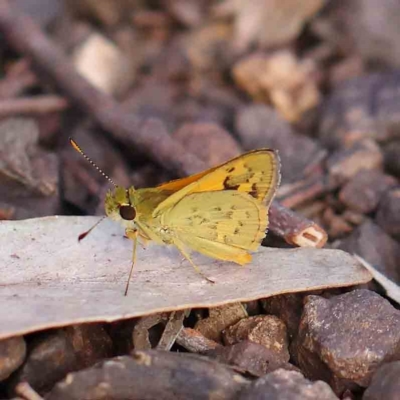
point(231, 169)
point(236, 231)
point(228, 186)
point(253, 191)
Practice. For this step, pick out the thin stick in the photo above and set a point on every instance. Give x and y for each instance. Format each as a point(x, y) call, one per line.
point(37, 105)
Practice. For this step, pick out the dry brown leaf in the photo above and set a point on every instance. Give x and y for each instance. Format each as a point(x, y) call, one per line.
point(48, 279)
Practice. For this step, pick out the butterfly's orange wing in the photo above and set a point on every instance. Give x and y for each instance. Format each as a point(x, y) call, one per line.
point(256, 173)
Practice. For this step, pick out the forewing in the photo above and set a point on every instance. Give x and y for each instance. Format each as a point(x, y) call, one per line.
point(256, 173)
point(217, 223)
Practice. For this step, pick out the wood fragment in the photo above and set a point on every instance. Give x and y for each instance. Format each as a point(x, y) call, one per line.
point(294, 228)
point(195, 342)
point(172, 329)
point(38, 105)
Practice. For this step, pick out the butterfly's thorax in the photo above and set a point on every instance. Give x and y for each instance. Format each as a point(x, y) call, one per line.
point(145, 202)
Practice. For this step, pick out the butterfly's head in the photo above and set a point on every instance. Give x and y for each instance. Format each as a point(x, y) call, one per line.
point(119, 207)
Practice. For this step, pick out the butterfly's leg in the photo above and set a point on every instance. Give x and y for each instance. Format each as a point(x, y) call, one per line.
point(181, 248)
point(133, 235)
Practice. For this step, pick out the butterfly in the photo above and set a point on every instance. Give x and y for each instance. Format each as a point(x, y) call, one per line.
point(221, 212)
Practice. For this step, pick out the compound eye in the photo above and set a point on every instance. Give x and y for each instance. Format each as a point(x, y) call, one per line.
point(127, 212)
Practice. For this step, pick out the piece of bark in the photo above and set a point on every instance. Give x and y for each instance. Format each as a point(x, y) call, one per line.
point(385, 383)
point(258, 126)
point(219, 319)
point(250, 358)
point(172, 324)
point(388, 214)
point(346, 163)
point(266, 330)
point(280, 78)
point(19, 152)
point(94, 272)
point(35, 105)
point(28, 175)
point(12, 355)
point(347, 115)
point(141, 331)
point(195, 342)
point(344, 339)
point(370, 242)
point(172, 329)
point(365, 189)
point(288, 385)
point(52, 356)
point(178, 376)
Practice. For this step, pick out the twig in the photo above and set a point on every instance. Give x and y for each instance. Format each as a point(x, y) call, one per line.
point(37, 105)
point(295, 229)
point(149, 136)
point(195, 342)
point(172, 329)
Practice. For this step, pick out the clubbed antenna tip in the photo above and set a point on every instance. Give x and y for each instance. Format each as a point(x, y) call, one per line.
point(79, 150)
